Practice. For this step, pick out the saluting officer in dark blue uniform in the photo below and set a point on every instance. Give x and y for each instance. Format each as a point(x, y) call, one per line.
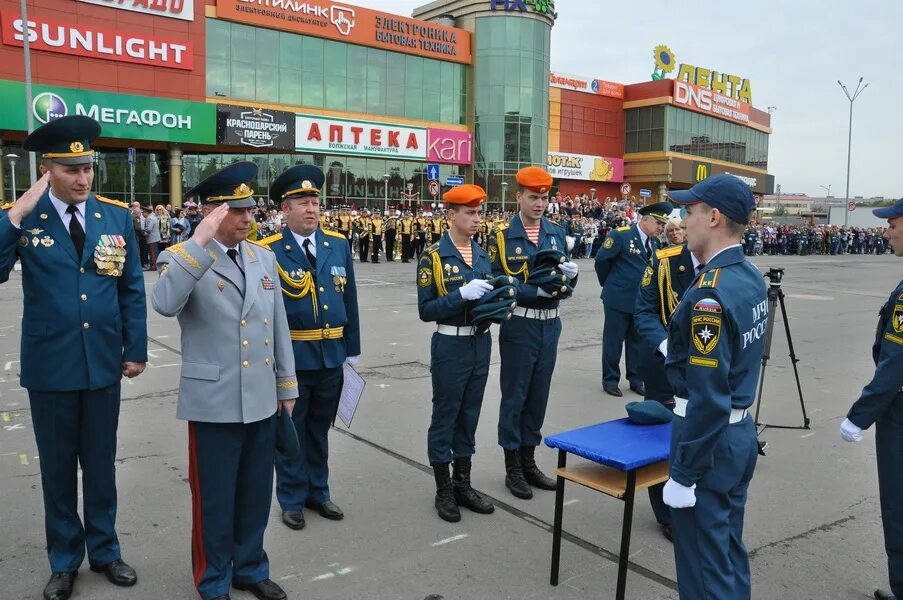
point(528, 342)
point(620, 263)
point(451, 274)
point(84, 303)
point(317, 275)
point(664, 283)
point(881, 403)
point(715, 343)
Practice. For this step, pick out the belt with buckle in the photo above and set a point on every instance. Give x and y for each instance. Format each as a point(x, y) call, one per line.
point(680, 409)
point(315, 335)
point(541, 314)
point(458, 331)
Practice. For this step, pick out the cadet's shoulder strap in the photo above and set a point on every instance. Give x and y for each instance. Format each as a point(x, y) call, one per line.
point(709, 279)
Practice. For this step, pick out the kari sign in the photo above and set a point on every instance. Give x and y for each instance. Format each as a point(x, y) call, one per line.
point(451, 147)
point(586, 168)
point(362, 138)
point(352, 24)
point(704, 100)
point(78, 39)
point(174, 9)
point(586, 85)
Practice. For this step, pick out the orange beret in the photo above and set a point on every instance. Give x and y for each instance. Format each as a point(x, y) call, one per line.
point(466, 195)
point(534, 179)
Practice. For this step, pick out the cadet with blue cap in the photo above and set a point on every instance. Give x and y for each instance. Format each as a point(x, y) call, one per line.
point(713, 364)
point(620, 263)
point(237, 372)
point(316, 275)
point(881, 403)
point(451, 276)
point(85, 303)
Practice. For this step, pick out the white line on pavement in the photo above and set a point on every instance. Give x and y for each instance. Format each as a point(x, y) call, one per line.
point(454, 538)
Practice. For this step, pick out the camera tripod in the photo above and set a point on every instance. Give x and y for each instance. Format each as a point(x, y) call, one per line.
point(775, 297)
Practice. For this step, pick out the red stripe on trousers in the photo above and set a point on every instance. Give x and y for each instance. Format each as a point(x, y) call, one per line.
point(198, 556)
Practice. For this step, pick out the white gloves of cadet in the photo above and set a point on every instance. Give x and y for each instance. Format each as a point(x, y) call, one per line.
point(475, 289)
point(352, 361)
point(676, 495)
point(569, 268)
point(663, 347)
point(542, 293)
point(850, 432)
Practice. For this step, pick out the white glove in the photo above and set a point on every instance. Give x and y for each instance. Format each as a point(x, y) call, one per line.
point(850, 432)
point(475, 290)
point(542, 293)
point(679, 496)
point(569, 268)
point(352, 361)
point(663, 348)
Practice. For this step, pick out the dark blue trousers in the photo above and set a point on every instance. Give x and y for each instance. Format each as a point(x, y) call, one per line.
point(528, 349)
point(460, 367)
point(618, 331)
point(306, 478)
point(72, 429)
point(712, 561)
point(889, 443)
point(652, 369)
point(230, 468)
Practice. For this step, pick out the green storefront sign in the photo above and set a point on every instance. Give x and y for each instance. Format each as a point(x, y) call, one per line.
point(120, 115)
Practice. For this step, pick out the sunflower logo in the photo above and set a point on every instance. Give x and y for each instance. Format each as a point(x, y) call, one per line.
point(664, 61)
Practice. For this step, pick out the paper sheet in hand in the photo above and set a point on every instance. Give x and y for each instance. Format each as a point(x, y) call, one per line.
point(352, 390)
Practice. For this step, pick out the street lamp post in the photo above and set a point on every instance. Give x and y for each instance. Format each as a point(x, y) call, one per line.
point(852, 98)
point(504, 193)
point(12, 158)
point(386, 193)
point(827, 189)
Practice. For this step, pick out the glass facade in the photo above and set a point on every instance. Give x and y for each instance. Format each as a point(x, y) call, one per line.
point(656, 128)
point(252, 63)
point(511, 98)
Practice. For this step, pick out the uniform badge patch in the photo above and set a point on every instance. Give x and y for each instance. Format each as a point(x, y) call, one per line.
point(647, 276)
point(425, 277)
point(898, 318)
point(493, 253)
point(23, 241)
point(266, 282)
point(708, 305)
point(608, 243)
point(518, 250)
point(706, 332)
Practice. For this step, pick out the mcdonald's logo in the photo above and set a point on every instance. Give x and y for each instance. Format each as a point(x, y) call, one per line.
point(701, 171)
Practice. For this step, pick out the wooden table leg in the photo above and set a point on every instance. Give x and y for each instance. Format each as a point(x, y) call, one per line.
point(559, 510)
point(625, 534)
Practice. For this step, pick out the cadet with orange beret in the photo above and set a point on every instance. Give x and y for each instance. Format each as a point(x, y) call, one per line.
point(451, 276)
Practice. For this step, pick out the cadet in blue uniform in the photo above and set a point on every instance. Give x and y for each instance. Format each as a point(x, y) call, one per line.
point(664, 283)
point(620, 263)
point(528, 342)
point(451, 274)
point(881, 403)
point(715, 343)
point(317, 275)
point(84, 301)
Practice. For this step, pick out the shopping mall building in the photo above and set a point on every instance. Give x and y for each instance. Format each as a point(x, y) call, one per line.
point(387, 105)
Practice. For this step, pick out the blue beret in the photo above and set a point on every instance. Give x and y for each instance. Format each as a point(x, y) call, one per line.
point(648, 413)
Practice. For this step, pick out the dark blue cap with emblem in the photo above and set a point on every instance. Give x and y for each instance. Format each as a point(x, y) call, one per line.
point(727, 193)
point(296, 182)
point(660, 211)
point(66, 140)
point(890, 212)
point(229, 185)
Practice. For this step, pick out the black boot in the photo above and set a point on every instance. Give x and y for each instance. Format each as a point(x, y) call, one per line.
point(532, 474)
point(465, 495)
point(514, 476)
point(445, 495)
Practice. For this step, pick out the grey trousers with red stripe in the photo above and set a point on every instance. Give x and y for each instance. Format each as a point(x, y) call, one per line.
point(230, 469)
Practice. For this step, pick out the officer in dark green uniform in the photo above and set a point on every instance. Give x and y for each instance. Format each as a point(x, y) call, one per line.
point(881, 403)
point(451, 275)
point(85, 320)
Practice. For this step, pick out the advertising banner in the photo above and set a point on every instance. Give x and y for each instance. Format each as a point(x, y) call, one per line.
point(120, 115)
point(585, 167)
point(77, 39)
point(586, 85)
point(450, 147)
point(705, 101)
point(174, 9)
point(362, 138)
point(255, 127)
point(355, 25)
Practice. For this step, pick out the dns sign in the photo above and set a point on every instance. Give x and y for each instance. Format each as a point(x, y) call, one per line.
point(546, 7)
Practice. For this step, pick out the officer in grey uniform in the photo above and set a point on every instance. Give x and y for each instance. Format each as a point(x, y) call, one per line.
point(237, 371)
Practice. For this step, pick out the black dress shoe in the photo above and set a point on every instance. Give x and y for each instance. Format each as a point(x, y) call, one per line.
point(638, 389)
point(613, 391)
point(327, 509)
point(60, 586)
point(294, 519)
point(118, 573)
point(882, 595)
point(265, 590)
point(667, 531)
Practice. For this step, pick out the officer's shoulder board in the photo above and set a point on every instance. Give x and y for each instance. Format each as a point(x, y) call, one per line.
point(112, 202)
point(260, 244)
point(265, 242)
point(332, 233)
point(7, 205)
point(551, 222)
point(431, 248)
point(668, 252)
point(709, 279)
point(625, 228)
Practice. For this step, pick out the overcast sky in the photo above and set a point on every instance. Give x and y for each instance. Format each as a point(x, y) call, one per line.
point(792, 51)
